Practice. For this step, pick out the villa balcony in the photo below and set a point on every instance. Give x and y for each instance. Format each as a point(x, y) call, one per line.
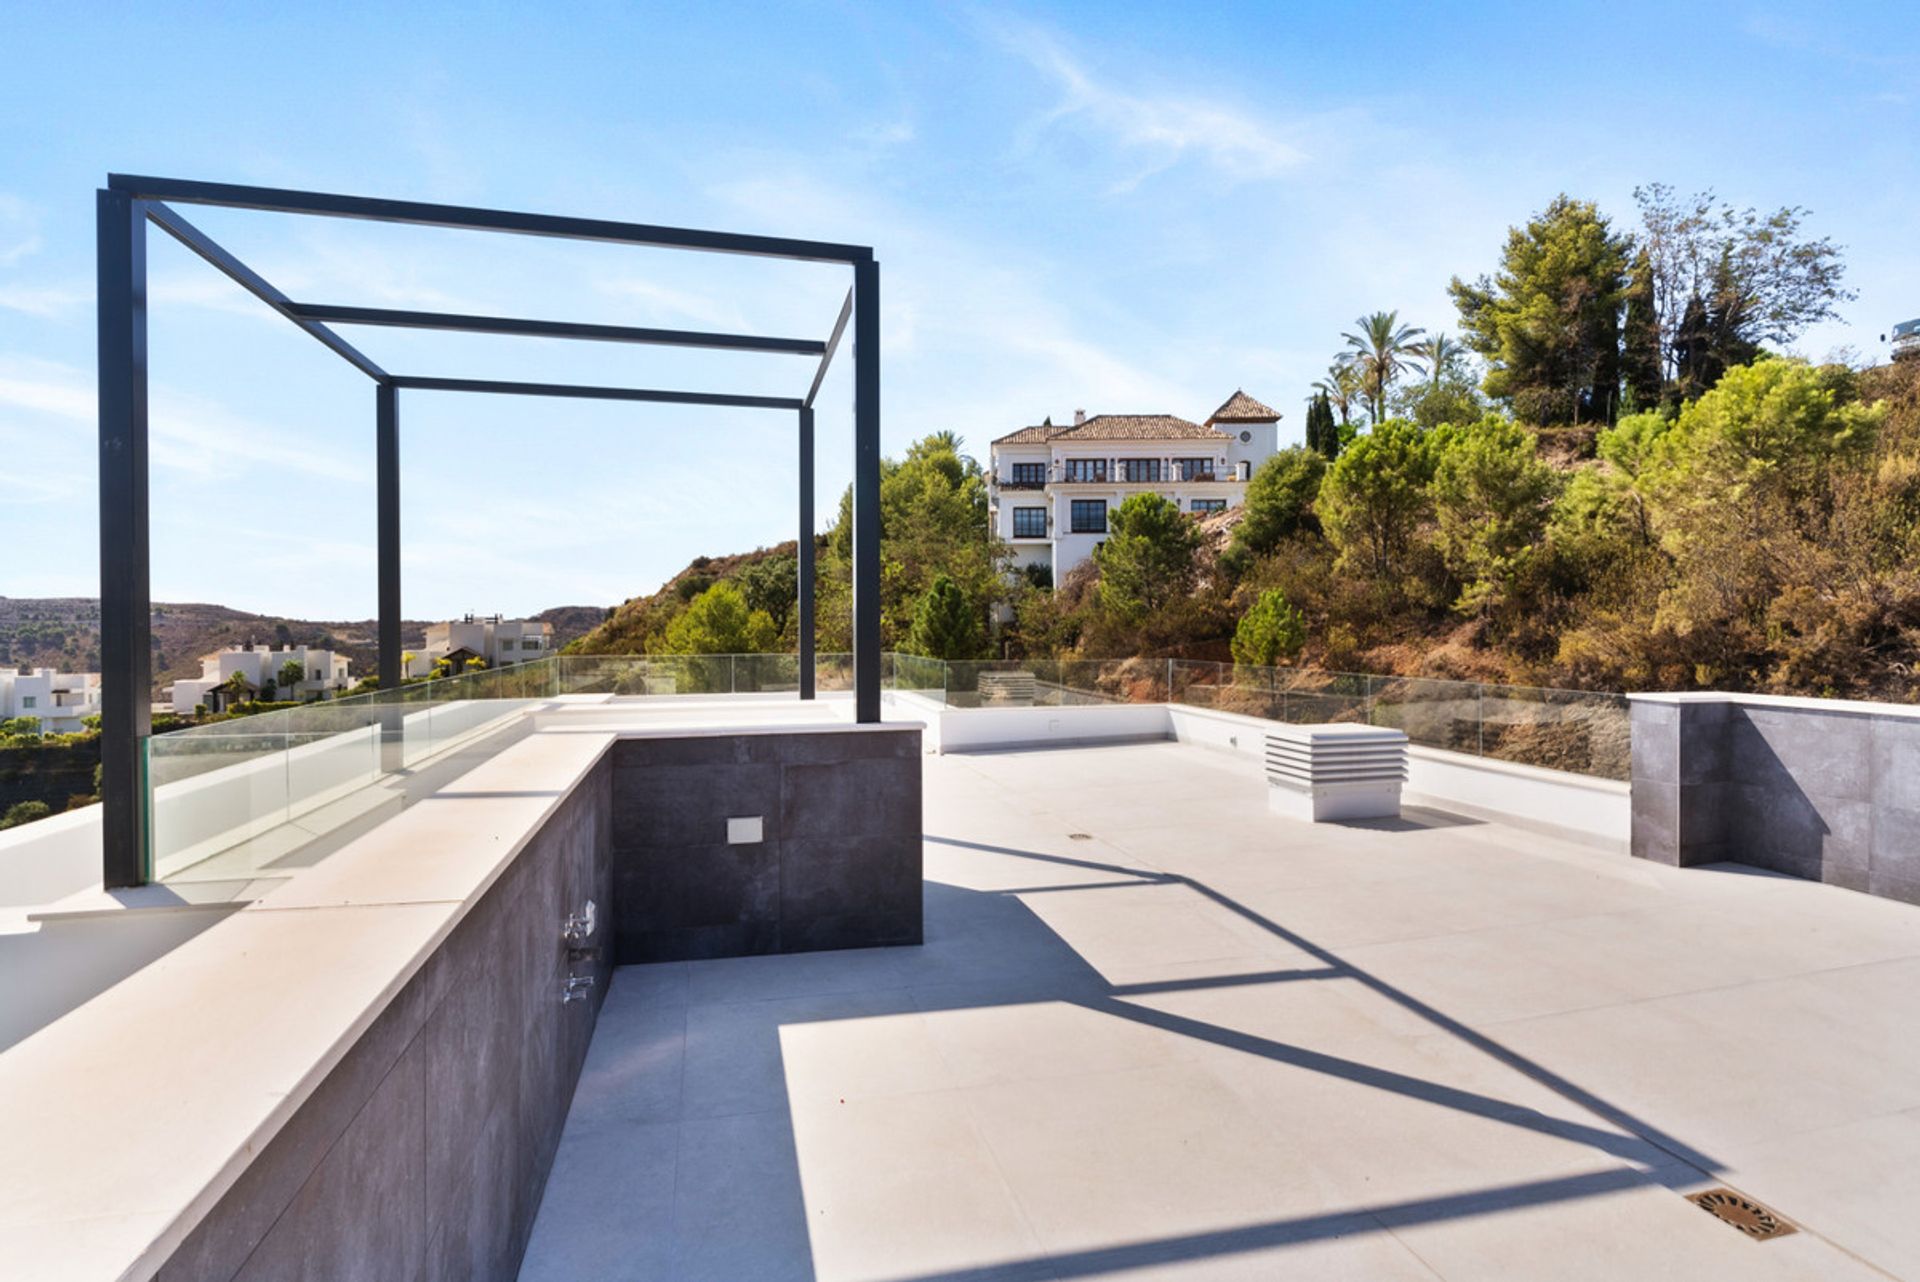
point(545, 973)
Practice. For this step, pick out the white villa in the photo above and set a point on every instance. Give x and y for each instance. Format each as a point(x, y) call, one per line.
point(499, 642)
point(59, 701)
point(1050, 488)
point(323, 675)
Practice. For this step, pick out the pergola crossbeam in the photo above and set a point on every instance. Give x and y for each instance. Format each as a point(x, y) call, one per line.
point(170, 221)
point(832, 346)
point(425, 214)
point(519, 327)
point(587, 392)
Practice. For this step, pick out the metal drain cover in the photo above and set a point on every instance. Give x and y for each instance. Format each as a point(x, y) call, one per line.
point(1751, 1218)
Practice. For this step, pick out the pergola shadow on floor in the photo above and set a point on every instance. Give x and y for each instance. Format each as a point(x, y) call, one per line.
point(128, 203)
point(1219, 1046)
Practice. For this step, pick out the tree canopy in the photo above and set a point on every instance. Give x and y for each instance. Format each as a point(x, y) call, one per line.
point(945, 625)
point(1548, 321)
point(1148, 557)
point(1375, 496)
point(1271, 631)
point(719, 621)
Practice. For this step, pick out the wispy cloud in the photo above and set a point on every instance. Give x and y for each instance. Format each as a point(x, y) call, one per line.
point(19, 230)
point(1814, 32)
point(663, 303)
point(45, 301)
point(951, 294)
point(1154, 130)
point(187, 434)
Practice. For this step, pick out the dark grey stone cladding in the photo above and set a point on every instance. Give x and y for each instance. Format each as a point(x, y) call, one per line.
point(423, 1154)
point(839, 866)
point(1827, 793)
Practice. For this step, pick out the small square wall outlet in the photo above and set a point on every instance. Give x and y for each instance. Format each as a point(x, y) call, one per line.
point(745, 831)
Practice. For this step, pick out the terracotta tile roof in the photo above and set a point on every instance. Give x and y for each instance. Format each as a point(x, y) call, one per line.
point(1114, 427)
point(1241, 408)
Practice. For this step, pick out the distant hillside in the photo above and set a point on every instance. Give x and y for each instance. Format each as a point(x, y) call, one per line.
point(64, 632)
point(625, 629)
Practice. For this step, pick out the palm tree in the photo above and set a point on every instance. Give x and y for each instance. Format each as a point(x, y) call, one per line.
point(1441, 353)
point(1340, 387)
point(1383, 350)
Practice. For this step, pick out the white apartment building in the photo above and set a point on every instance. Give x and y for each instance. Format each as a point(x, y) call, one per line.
point(1051, 488)
point(324, 674)
point(59, 701)
point(500, 642)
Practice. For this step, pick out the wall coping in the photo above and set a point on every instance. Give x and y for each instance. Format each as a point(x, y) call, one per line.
point(1792, 702)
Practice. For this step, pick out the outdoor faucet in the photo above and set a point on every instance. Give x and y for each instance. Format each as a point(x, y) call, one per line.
point(578, 928)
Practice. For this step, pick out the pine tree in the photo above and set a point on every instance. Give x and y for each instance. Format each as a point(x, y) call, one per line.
point(944, 626)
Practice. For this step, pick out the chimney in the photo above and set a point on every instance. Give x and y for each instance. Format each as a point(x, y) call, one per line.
point(1079, 417)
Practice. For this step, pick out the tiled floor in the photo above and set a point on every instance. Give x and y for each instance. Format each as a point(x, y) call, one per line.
point(1208, 1043)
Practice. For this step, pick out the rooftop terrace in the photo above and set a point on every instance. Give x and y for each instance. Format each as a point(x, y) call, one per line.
point(1197, 1040)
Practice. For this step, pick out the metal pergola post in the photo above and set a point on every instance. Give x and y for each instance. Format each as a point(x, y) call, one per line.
point(386, 471)
point(866, 491)
point(128, 203)
point(126, 607)
point(803, 556)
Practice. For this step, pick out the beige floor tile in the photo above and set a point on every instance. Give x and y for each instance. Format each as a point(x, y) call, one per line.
point(1858, 1184)
point(1112, 1158)
point(902, 1186)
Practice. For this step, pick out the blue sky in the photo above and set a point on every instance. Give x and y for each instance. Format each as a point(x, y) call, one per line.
point(1121, 208)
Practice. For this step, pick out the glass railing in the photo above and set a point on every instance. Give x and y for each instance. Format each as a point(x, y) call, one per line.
point(234, 799)
point(237, 798)
point(1572, 730)
point(223, 795)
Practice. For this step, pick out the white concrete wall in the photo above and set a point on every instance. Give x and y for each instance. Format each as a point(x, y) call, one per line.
point(50, 858)
point(984, 729)
point(1592, 811)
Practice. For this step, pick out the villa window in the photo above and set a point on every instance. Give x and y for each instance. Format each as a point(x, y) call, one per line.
point(1029, 523)
point(1140, 469)
point(1194, 469)
point(1087, 469)
point(1208, 505)
point(1089, 516)
point(28, 700)
point(1029, 473)
point(530, 643)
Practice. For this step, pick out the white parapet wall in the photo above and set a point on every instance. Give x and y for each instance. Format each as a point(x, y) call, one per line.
point(987, 729)
point(1596, 812)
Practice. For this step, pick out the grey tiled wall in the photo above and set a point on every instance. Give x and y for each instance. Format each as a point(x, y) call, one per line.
point(1827, 793)
point(424, 1152)
point(838, 866)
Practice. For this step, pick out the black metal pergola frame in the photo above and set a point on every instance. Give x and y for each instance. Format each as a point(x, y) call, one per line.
point(127, 204)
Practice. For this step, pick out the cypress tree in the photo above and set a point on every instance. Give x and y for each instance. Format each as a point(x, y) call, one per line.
point(1323, 436)
point(1640, 339)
